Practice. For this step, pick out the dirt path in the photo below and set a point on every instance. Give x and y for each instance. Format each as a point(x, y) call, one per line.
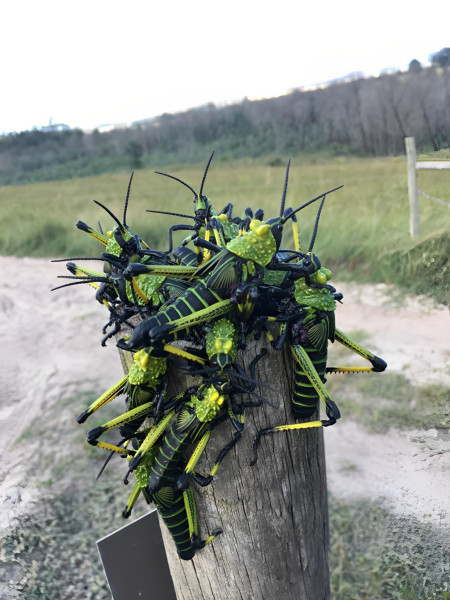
point(50, 348)
point(47, 353)
point(406, 471)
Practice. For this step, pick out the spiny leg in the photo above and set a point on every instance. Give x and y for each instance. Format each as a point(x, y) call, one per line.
point(141, 474)
point(204, 481)
point(131, 501)
point(309, 370)
point(106, 397)
point(183, 354)
point(183, 478)
point(301, 357)
point(131, 415)
point(196, 541)
point(152, 437)
point(176, 271)
point(211, 312)
point(378, 364)
point(309, 425)
point(236, 421)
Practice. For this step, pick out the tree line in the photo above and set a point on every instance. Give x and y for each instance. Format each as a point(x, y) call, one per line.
point(358, 116)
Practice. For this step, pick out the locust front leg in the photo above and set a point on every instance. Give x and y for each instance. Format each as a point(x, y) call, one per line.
point(126, 512)
point(141, 474)
point(183, 479)
point(378, 364)
point(150, 440)
point(238, 424)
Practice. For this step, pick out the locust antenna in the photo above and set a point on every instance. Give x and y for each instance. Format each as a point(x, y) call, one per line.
point(59, 287)
point(82, 279)
point(283, 198)
point(174, 214)
point(316, 226)
point(309, 202)
point(204, 174)
point(179, 181)
point(126, 201)
point(111, 454)
point(110, 214)
point(77, 258)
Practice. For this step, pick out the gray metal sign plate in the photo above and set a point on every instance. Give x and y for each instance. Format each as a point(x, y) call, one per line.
point(135, 561)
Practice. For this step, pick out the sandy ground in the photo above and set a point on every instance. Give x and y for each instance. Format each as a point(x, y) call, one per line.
point(48, 348)
point(408, 472)
point(47, 351)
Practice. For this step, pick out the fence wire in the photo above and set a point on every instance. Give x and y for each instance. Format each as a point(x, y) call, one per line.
point(438, 200)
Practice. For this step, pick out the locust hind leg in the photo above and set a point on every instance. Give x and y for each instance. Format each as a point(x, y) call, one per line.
point(135, 414)
point(197, 543)
point(378, 364)
point(178, 511)
point(309, 370)
point(303, 360)
point(292, 426)
point(109, 395)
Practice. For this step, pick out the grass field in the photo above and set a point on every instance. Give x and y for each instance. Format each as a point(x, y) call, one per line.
point(364, 229)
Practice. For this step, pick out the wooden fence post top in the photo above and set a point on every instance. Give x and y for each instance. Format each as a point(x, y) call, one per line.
point(273, 515)
point(413, 190)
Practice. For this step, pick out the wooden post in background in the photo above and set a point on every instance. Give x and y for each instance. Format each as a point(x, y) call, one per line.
point(274, 515)
point(413, 189)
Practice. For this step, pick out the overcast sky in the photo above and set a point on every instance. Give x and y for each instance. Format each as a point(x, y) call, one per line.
point(90, 63)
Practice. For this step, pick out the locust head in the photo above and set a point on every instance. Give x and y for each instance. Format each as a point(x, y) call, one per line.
point(209, 404)
point(120, 242)
point(203, 207)
point(221, 344)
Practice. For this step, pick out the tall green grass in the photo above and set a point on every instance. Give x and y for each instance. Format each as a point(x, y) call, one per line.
point(363, 234)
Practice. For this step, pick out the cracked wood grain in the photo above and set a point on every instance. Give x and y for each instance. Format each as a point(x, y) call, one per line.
point(273, 515)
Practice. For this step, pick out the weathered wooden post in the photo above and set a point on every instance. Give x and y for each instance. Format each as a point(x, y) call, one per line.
point(273, 515)
point(413, 189)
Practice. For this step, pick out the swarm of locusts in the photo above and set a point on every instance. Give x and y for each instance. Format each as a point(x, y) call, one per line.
point(230, 281)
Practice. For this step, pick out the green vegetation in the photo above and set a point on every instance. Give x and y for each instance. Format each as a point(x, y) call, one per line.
point(363, 235)
point(389, 400)
point(52, 553)
point(375, 555)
